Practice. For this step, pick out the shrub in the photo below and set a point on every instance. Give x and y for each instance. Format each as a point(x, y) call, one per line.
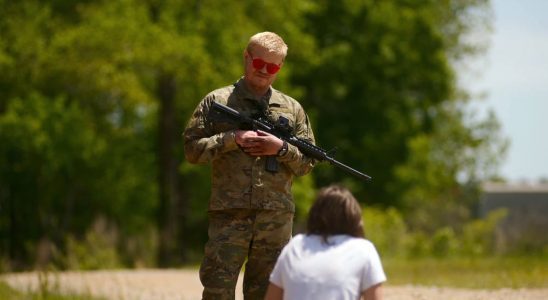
point(478, 236)
point(96, 251)
point(392, 238)
point(444, 243)
point(386, 229)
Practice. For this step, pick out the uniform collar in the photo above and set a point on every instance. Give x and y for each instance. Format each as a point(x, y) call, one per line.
point(243, 92)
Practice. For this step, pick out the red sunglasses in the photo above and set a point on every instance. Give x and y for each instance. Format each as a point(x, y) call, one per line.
point(258, 64)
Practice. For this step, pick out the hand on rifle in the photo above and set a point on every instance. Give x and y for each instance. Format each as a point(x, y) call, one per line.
point(258, 143)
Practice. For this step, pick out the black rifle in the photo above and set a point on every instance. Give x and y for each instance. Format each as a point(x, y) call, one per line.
point(281, 130)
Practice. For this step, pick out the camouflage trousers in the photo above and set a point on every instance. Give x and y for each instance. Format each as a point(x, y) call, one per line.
point(237, 234)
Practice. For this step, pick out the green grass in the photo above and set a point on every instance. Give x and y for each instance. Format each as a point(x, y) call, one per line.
point(477, 273)
point(7, 292)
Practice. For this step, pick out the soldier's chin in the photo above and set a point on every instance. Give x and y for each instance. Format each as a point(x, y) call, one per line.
point(262, 80)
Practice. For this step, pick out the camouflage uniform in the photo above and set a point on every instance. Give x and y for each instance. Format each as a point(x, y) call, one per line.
point(250, 209)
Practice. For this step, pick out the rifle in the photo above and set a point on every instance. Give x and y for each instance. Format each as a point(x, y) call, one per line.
point(282, 130)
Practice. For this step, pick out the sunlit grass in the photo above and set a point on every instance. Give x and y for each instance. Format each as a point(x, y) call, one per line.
point(7, 292)
point(477, 273)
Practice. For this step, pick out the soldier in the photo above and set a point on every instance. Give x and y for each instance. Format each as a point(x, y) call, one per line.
point(251, 208)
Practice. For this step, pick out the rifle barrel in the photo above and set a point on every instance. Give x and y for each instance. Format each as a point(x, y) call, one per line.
point(306, 147)
point(348, 168)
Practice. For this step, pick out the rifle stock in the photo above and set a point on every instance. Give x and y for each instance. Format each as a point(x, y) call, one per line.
point(283, 133)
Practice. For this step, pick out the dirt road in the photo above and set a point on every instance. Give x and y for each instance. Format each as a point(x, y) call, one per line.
point(185, 285)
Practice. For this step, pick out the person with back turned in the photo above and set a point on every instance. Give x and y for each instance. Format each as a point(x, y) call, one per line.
point(332, 260)
point(250, 208)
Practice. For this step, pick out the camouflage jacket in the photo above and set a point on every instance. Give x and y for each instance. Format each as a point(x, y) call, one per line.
point(239, 180)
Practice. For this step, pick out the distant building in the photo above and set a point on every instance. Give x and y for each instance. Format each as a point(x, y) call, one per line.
point(526, 224)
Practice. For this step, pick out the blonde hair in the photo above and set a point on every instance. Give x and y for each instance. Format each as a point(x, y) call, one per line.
point(268, 40)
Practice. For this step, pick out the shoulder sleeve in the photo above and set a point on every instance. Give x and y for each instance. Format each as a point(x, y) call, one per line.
point(373, 272)
point(299, 163)
point(201, 144)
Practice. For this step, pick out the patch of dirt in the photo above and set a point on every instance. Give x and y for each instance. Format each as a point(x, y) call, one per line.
point(185, 284)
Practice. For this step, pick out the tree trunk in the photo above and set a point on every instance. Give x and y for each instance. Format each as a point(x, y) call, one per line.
point(170, 213)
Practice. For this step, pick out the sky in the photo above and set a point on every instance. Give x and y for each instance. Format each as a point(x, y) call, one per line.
point(514, 78)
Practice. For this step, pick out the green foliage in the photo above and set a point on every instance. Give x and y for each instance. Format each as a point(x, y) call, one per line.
point(444, 242)
point(35, 131)
point(479, 236)
point(303, 195)
point(85, 88)
point(492, 272)
point(386, 71)
point(96, 251)
point(417, 244)
point(103, 247)
point(64, 169)
point(392, 237)
point(429, 183)
point(386, 229)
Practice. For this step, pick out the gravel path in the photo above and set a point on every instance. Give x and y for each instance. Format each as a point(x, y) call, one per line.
point(185, 285)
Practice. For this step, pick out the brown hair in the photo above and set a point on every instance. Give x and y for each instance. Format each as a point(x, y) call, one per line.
point(335, 211)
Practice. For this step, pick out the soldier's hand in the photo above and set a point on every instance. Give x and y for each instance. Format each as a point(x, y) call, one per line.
point(241, 136)
point(258, 143)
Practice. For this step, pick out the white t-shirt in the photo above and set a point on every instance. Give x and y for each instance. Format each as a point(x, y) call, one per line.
point(308, 268)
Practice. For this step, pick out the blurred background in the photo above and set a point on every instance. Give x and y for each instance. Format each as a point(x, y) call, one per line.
point(512, 76)
point(441, 102)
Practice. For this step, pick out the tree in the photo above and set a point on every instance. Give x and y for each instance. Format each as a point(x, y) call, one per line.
point(95, 94)
point(383, 76)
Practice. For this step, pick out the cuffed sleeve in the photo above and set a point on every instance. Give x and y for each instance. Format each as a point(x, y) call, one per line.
point(201, 145)
point(298, 163)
